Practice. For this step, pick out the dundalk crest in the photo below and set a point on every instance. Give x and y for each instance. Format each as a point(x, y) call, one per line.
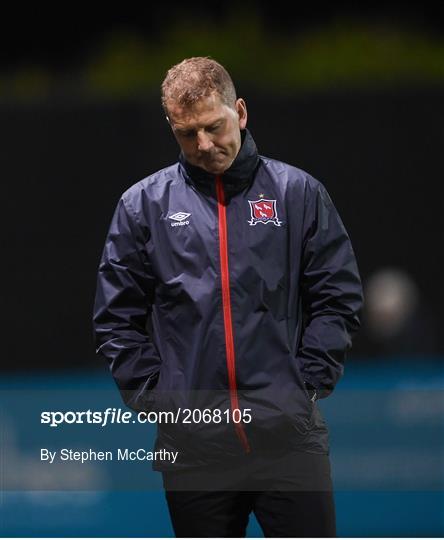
point(264, 211)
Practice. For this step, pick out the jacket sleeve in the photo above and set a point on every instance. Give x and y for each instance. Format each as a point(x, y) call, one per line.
point(125, 286)
point(331, 293)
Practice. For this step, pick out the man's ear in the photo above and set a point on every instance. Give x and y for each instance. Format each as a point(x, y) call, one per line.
point(241, 108)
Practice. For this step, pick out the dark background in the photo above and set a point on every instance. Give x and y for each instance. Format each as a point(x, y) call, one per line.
point(62, 36)
point(70, 151)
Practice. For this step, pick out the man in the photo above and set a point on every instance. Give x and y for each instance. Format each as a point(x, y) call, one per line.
point(247, 279)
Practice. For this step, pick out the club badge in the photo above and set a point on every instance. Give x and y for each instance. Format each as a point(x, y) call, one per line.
point(264, 211)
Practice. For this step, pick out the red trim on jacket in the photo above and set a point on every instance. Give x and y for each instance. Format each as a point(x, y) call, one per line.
point(226, 302)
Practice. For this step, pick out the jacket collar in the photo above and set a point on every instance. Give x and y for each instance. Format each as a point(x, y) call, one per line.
point(236, 178)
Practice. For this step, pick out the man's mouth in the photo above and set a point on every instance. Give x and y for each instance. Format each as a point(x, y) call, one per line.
point(210, 157)
point(213, 156)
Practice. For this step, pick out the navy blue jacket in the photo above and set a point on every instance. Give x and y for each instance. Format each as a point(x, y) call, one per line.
point(228, 292)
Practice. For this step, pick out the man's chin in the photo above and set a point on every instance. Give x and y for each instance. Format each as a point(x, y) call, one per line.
point(215, 168)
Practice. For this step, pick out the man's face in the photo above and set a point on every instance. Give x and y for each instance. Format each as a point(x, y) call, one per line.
point(208, 132)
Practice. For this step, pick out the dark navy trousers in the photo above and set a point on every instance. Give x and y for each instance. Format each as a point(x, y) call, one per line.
point(290, 495)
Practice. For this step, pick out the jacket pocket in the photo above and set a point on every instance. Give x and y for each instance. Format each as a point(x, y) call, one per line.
point(299, 406)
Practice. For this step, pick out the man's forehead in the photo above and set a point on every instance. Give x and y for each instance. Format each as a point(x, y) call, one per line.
point(207, 109)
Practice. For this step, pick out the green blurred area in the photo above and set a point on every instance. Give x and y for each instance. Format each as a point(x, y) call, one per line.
point(347, 53)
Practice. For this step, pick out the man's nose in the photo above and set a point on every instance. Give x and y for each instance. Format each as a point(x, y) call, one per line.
point(204, 143)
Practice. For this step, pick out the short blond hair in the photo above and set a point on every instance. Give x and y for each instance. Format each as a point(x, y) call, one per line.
point(195, 78)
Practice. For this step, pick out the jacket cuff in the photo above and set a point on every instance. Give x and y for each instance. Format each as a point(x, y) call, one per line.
point(315, 390)
point(311, 390)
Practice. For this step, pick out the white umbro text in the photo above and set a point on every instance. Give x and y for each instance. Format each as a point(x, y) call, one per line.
point(180, 219)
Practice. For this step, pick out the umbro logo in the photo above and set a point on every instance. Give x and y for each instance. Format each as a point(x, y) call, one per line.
point(180, 219)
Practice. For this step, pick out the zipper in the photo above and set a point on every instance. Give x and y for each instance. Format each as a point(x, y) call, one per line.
point(226, 303)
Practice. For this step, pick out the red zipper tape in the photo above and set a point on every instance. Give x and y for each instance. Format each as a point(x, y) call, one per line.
point(226, 302)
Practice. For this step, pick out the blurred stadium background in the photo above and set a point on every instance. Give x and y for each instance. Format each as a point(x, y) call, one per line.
point(355, 96)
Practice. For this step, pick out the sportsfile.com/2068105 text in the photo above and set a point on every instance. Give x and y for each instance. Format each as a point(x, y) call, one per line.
point(113, 415)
